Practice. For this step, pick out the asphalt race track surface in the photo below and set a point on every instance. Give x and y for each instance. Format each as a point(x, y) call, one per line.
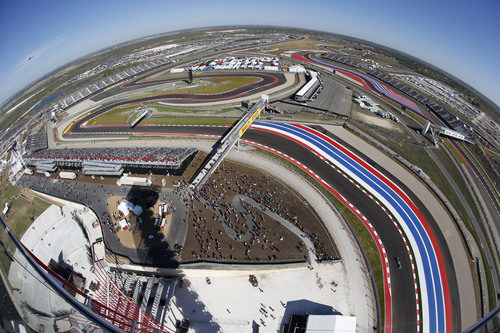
point(450, 269)
point(402, 285)
point(403, 292)
point(267, 80)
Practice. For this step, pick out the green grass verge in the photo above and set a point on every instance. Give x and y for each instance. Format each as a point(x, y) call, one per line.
point(458, 157)
point(192, 121)
point(121, 114)
point(117, 115)
point(155, 92)
point(492, 300)
point(21, 214)
point(213, 85)
point(222, 84)
point(164, 109)
point(456, 174)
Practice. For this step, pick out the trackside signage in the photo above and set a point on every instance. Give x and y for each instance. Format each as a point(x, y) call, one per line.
point(249, 122)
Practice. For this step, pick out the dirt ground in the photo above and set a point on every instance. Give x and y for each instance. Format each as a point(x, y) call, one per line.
point(134, 237)
point(222, 228)
point(369, 117)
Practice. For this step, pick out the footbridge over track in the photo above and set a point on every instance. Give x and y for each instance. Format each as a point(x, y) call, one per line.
point(223, 147)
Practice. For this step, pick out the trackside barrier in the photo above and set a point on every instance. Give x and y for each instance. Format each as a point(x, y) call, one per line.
point(481, 294)
point(484, 321)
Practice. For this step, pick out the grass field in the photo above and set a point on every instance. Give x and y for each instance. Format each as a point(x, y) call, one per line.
point(303, 44)
point(193, 121)
point(117, 115)
point(213, 85)
point(120, 115)
point(21, 214)
point(165, 109)
point(221, 84)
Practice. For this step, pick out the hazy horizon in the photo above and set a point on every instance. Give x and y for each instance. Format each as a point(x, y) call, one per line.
point(466, 49)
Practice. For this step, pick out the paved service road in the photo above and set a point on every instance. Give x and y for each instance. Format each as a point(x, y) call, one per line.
point(94, 195)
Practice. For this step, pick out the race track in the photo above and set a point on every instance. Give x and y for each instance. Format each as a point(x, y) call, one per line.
point(365, 81)
point(264, 81)
point(404, 308)
point(318, 150)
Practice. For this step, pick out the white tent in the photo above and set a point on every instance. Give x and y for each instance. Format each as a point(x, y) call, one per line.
point(296, 69)
point(125, 207)
point(123, 223)
point(137, 210)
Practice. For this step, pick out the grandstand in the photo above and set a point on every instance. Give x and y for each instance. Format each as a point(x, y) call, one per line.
point(346, 59)
point(36, 142)
point(156, 292)
point(307, 92)
point(110, 161)
point(451, 120)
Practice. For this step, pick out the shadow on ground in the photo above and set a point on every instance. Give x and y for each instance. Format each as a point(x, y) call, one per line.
point(303, 307)
point(193, 309)
point(154, 251)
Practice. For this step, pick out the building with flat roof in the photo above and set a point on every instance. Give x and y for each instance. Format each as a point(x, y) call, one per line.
point(320, 324)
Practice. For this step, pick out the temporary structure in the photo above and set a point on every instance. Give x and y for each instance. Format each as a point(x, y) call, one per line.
point(137, 210)
point(125, 207)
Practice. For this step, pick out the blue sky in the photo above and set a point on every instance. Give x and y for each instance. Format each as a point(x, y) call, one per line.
point(461, 37)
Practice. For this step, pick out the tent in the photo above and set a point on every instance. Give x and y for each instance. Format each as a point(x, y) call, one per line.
point(123, 224)
point(137, 210)
point(125, 207)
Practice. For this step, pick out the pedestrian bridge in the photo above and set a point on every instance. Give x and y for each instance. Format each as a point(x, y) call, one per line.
point(227, 142)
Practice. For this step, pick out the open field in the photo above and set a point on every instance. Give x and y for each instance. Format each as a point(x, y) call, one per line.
point(120, 115)
point(222, 84)
point(117, 115)
point(213, 85)
point(23, 211)
point(192, 121)
point(303, 44)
